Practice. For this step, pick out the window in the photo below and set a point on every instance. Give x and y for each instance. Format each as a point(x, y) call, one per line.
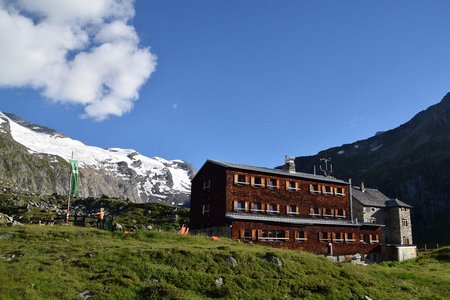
point(207, 184)
point(292, 210)
point(240, 179)
point(247, 234)
point(339, 191)
point(205, 208)
point(324, 237)
point(273, 235)
point(327, 212)
point(257, 181)
point(314, 189)
point(273, 209)
point(300, 236)
point(291, 185)
point(404, 222)
point(273, 184)
point(327, 190)
point(257, 207)
point(374, 238)
point(338, 237)
point(240, 206)
point(340, 213)
point(405, 241)
point(350, 237)
point(373, 220)
point(365, 238)
point(314, 212)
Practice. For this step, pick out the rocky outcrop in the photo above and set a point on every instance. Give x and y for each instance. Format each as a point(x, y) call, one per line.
point(410, 162)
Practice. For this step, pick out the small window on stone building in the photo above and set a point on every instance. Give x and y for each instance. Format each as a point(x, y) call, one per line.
point(404, 222)
point(292, 210)
point(405, 241)
point(373, 220)
point(314, 189)
point(273, 208)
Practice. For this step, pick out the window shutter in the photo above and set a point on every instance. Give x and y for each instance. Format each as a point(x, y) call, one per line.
point(335, 190)
point(287, 209)
point(296, 185)
point(377, 237)
point(343, 212)
point(263, 181)
point(329, 235)
point(263, 206)
point(361, 238)
point(311, 210)
point(305, 234)
point(277, 185)
point(296, 209)
point(253, 234)
point(310, 187)
point(286, 234)
point(333, 235)
point(246, 206)
point(287, 185)
point(323, 189)
point(252, 181)
point(236, 176)
point(320, 211)
point(246, 179)
point(319, 188)
point(278, 207)
point(259, 232)
point(241, 232)
point(235, 205)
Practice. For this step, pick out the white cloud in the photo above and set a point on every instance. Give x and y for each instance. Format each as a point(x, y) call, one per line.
point(74, 51)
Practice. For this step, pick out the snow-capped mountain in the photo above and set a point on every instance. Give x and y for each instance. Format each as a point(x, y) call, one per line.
point(44, 155)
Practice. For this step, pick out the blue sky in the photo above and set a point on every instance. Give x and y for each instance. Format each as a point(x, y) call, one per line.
point(250, 81)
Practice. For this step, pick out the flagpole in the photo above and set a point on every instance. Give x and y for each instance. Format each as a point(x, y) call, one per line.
point(70, 191)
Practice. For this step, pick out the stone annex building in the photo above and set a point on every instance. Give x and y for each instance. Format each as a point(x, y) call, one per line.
point(285, 208)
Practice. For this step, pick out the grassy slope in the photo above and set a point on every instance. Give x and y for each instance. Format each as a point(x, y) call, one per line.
point(44, 262)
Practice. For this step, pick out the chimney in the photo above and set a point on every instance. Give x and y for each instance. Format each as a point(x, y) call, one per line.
point(289, 164)
point(363, 189)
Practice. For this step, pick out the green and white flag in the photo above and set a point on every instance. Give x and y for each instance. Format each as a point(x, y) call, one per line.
point(74, 170)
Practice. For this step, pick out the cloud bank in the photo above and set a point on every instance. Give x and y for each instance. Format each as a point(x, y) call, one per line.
point(74, 51)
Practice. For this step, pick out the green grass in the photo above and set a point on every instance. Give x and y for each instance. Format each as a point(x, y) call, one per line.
point(59, 262)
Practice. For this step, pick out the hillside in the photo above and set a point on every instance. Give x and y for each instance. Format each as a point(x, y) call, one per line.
point(410, 162)
point(60, 262)
point(35, 158)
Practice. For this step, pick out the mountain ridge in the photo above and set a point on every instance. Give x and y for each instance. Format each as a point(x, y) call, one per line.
point(35, 158)
point(410, 162)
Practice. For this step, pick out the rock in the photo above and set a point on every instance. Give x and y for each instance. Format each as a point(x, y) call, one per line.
point(119, 227)
point(85, 295)
point(150, 227)
point(367, 297)
point(6, 236)
point(232, 261)
point(273, 259)
point(219, 282)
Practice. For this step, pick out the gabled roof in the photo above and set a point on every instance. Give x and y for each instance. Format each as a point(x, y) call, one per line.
point(295, 220)
point(375, 198)
point(278, 172)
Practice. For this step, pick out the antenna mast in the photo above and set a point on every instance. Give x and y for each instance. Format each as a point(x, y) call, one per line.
point(328, 170)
